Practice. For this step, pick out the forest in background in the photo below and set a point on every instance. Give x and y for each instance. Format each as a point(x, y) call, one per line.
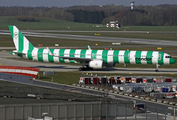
point(161, 15)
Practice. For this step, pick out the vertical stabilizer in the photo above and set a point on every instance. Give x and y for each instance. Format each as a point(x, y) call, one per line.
point(20, 41)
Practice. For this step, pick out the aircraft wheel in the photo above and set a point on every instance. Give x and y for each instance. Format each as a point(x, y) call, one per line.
point(80, 69)
point(90, 68)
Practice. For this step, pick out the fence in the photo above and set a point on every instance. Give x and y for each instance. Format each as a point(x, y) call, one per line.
point(67, 111)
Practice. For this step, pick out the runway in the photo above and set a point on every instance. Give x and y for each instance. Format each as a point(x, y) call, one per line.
point(98, 38)
point(8, 59)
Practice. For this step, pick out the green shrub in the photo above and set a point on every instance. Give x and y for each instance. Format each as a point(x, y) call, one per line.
point(27, 18)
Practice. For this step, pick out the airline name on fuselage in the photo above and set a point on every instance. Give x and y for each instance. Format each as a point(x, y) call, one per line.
point(143, 59)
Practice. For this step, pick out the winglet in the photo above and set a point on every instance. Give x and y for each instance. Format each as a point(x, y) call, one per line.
point(50, 53)
point(89, 48)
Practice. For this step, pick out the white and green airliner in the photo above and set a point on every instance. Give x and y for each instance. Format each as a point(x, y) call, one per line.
point(94, 59)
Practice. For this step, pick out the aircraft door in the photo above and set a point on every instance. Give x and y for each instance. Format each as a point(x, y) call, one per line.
point(35, 54)
point(159, 56)
point(121, 56)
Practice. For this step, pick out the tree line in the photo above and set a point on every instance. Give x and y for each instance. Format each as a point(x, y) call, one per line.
point(152, 16)
point(84, 16)
point(160, 15)
point(53, 12)
point(27, 19)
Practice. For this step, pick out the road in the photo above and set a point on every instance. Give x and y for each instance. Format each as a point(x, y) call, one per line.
point(8, 59)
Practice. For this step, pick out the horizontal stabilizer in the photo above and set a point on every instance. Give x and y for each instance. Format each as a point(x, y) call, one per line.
point(19, 53)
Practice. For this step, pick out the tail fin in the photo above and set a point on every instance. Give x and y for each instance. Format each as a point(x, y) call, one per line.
point(20, 41)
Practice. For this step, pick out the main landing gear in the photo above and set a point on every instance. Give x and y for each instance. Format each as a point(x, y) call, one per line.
point(157, 67)
point(85, 68)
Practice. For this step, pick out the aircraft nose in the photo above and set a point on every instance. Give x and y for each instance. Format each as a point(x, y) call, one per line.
point(172, 61)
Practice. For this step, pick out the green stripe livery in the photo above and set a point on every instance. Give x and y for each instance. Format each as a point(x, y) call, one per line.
point(138, 57)
point(40, 54)
point(83, 53)
point(115, 56)
point(29, 54)
point(93, 54)
point(61, 53)
point(20, 41)
point(127, 57)
point(105, 56)
point(149, 57)
point(50, 58)
point(72, 54)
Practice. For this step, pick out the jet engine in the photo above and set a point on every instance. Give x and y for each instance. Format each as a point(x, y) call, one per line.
point(98, 64)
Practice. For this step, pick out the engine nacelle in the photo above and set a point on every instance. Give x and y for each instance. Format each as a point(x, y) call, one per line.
point(98, 64)
point(109, 65)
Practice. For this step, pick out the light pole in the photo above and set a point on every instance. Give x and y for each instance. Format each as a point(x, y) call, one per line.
point(173, 108)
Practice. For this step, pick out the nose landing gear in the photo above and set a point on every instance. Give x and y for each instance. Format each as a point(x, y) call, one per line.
point(157, 67)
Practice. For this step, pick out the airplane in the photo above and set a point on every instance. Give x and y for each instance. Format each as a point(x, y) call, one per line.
point(90, 59)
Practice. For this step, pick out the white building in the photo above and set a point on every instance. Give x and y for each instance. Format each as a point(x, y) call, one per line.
point(113, 24)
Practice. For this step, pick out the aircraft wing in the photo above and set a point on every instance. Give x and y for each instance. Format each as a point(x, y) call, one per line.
point(70, 58)
point(76, 59)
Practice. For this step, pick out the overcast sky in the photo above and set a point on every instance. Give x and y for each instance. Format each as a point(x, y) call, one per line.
point(67, 3)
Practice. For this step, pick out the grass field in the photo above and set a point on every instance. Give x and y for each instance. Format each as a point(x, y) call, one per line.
point(54, 24)
point(6, 41)
point(160, 36)
point(150, 28)
point(44, 24)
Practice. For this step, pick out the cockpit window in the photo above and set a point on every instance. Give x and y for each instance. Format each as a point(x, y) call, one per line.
point(167, 56)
